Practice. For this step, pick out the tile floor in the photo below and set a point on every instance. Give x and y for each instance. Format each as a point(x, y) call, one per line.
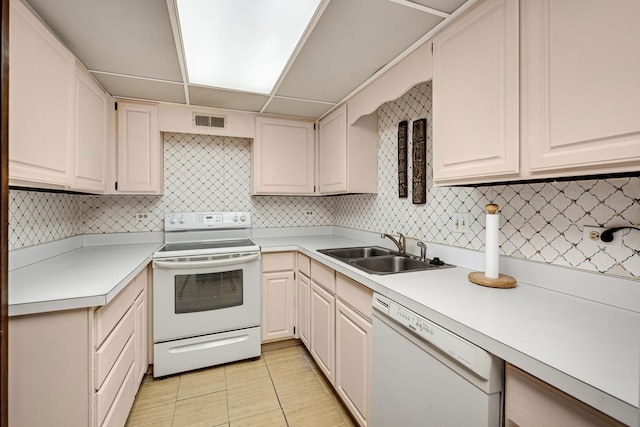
point(282, 388)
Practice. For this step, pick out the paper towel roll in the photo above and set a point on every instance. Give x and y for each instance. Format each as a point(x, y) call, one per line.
point(492, 269)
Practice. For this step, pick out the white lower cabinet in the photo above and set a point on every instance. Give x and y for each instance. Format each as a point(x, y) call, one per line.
point(304, 295)
point(278, 296)
point(322, 329)
point(353, 361)
point(79, 367)
point(530, 402)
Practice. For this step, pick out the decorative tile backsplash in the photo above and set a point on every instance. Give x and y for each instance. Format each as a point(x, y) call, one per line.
point(541, 222)
point(203, 173)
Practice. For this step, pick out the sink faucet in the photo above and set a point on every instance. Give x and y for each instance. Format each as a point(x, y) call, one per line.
point(423, 250)
point(400, 242)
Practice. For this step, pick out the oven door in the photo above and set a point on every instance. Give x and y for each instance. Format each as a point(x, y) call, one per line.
point(201, 295)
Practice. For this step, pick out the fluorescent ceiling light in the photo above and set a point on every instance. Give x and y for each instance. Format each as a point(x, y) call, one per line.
point(241, 44)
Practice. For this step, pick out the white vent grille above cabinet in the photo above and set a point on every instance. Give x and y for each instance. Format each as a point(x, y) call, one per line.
point(206, 121)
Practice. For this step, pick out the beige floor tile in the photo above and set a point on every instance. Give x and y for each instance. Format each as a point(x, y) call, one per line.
point(276, 345)
point(207, 410)
point(201, 382)
point(298, 389)
point(160, 416)
point(242, 375)
point(273, 418)
point(287, 360)
point(156, 393)
point(321, 413)
point(251, 399)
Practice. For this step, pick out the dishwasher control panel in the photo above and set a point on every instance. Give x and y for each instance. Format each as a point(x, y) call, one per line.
point(457, 348)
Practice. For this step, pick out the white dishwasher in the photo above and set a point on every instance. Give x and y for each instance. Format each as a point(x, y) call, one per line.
point(424, 375)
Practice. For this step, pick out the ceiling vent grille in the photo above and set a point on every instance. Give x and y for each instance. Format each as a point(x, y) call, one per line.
point(206, 121)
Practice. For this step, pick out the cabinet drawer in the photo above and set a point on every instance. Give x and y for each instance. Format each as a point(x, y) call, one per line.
point(323, 276)
point(108, 316)
point(532, 402)
point(117, 380)
point(304, 265)
point(354, 294)
point(279, 261)
point(109, 351)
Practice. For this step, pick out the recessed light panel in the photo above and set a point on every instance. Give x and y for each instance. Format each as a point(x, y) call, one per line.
point(241, 44)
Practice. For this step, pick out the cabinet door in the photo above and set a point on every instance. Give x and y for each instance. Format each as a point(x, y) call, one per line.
point(322, 329)
point(332, 152)
point(353, 361)
point(283, 157)
point(581, 97)
point(90, 138)
point(139, 149)
point(304, 295)
point(41, 103)
point(142, 334)
point(476, 93)
point(278, 305)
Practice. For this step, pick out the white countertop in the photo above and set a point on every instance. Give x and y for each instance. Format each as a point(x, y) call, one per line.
point(87, 276)
point(585, 348)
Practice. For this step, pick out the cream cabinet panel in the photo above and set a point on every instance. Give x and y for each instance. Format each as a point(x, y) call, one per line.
point(142, 334)
point(304, 299)
point(530, 402)
point(91, 104)
point(283, 157)
point(476, 93)
point(348, 154)
point(278, 305)
point(581, 97)
point(322, 329)
point(139, 160)
point(41, 91)
point(353, 361)
point(332, 153)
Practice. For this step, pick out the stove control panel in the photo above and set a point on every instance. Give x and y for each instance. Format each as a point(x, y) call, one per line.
point(206, 220)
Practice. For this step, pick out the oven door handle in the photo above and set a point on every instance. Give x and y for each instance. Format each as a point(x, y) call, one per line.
point(208, 263)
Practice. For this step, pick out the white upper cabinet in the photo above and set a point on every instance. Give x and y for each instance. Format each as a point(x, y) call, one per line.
point(283, 157)
point(139, 159)
point(91, 114)
point(41, 91)
point(580, 90)
point(576, 77)
point(476, 92)
point(347, 154)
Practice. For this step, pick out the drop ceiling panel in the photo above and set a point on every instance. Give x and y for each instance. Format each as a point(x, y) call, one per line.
point(352, 40)
point(130, 87)
point(209, 97)
point(448, 6)
point(117, 36)
point(297, 108)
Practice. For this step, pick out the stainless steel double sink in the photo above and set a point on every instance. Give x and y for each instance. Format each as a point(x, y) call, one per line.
point(379, 260)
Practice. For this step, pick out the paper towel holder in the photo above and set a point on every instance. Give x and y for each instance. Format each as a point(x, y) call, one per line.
point(503, 281)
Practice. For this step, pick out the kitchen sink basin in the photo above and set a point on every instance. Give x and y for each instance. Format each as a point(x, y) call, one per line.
point(392, 264)
point(357, 252)
point(378, 260)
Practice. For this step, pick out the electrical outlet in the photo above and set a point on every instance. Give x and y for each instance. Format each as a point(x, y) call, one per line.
point(460, 222)
point(591, 236)
point(143, 216)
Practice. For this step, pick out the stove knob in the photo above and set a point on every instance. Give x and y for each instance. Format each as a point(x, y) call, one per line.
point(182, 220)
point(243, 218)
point(172, 220)
point(235, 218)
